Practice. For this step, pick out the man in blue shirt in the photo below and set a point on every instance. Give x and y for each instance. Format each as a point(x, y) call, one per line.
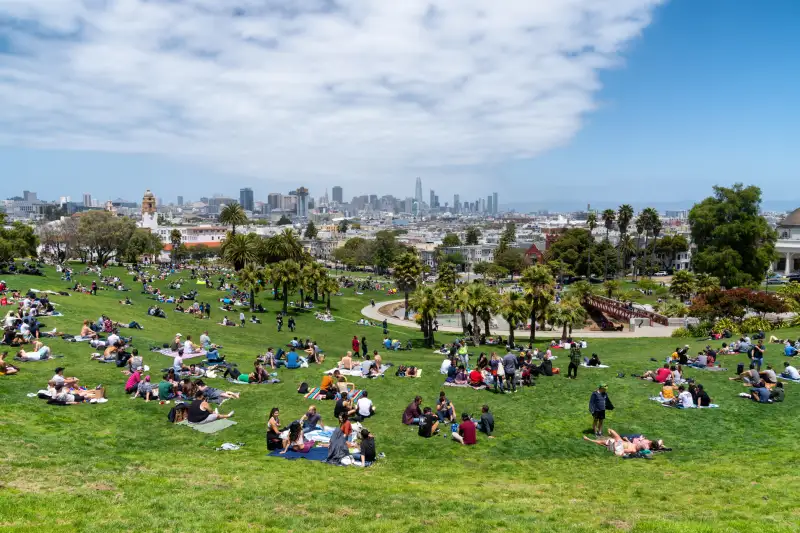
point(292, 359)
point(760, 393)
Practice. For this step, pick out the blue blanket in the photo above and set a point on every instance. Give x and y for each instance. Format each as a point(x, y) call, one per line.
point(316, 453)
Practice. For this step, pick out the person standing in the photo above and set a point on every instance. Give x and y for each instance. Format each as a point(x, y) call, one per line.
point(364, 349)
point(574, 361)
point(241, 317)
point(208, 310)
point(292, 325)
point(279, 322)
point(94, 288)
point(356, 347)
point(510, 368)
point(758, 354)
point(599, 402)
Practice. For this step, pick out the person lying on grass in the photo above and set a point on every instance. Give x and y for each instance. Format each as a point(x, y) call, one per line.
point(40, 353)
point(200, 411)
point(5, 368)
point(615, 444)
point(215, 395)
point(237, 375)
point(760, 393)
point(662, 375)
point(64, 396)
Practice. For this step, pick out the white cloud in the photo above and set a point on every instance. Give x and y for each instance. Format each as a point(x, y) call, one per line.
point(345, 90)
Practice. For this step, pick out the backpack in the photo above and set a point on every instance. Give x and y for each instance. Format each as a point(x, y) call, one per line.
point(303, 388)
point(178, 413)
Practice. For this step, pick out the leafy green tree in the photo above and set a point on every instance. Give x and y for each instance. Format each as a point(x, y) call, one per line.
point(286, 275)
point(175, 239)
point(574, 248)
point(59, 238)
point(18, 241)
point(514, 309)
point(481, 268)
point(539, 287)
point(143, 242)
point(624, 217)
point(472, 236)
point(508, 238)
point(239, 250)
point(103, 234)
point(451, 240)
point(511, 259)
point(251, 280)
point(497, 272)
point(734, 242)
point(311, 230)
point(683, 285)
point(427, 301)
point(591, 223)
point(284, 221)
point(344, 225)
point(408, 275)
point(233, 215)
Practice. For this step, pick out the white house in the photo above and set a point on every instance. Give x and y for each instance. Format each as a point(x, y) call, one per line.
point(788, 245)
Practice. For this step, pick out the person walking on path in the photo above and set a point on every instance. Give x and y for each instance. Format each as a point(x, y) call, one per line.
point(574, 361)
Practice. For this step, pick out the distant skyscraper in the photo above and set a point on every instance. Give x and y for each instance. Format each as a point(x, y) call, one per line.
point(483, 205)
point(456, 203)
point(180, 200)
point(302, 202)
point(432, 203)
point(418, 191)
point(436, 200)
point(274, 200)
point(246, 198)
point(336, 194)
point(495, 205)
point(29, 196)
point(87, 200)
point(489, 204)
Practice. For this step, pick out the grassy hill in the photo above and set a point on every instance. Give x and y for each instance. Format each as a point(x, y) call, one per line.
point(122, 466)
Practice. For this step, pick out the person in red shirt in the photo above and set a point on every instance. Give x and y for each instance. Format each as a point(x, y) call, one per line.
point(467, 431)
point(663, 374)
point(356, 346)
point(475, 378)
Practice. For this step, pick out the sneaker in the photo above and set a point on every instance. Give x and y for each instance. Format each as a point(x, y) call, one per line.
point(231, 413)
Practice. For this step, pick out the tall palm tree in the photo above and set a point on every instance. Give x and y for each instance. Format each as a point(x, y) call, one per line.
point(285, 245)
point(567, 314)
point(625, 248)
point(591, 223)
point(514, 310)
point(238, 250)
point(474, 297)
point(329, 286)
point(624, 217)
point(233, 215)
point(656, 228)
point(489, 305)
point(641, 228)
point(648, 217)
point(460, 298)
point(539, 287)
point(286, 274)
point(609, 216)
point(426, 301)
point(582, 290)
point(313, 275)
point(175, 239)
point(251, 279)
point(407, 274)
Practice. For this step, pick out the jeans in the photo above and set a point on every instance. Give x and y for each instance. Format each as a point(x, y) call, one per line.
point(498, 380)
point(572, 370)
point(511, 382)
point(445, 414)
point(758, 361)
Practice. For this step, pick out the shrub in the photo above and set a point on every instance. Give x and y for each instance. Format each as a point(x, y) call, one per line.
point(702, 328)
point(755, 324)
point(726, 323)
point(683, 333)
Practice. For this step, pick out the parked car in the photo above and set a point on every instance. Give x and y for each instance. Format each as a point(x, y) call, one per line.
point(661, 273)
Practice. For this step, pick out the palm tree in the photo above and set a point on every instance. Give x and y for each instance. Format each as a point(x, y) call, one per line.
point(407, 274)
point(591, 222)
point(641, 227)
point(582, 290)
point(329, 286)
point(175, 239)
point(447, 277)
point(705, 283)
point(314, 275)
point(624, 217)
point(284, 245)
point(473, 299)
point(426, 301)
point(568, 313)
point(648, 219)
point(460, 297)
point(625, 248)
point(655, 227)
point(609, 216)
point(514, 310)
point(490, 303)
point(232, 215)
point(251, 279)
point(539, 287)
point(239, 250)
point(286, 274)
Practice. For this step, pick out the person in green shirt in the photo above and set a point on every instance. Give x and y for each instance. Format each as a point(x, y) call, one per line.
point(574, 361)
point(166, 390)
point(777, 393)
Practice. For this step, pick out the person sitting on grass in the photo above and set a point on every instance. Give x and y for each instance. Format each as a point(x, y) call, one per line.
point(428, 424)
point(364, 407)
point(294, 439)
point(790, 372)
point(412, 414)
point(145, 390)
point(788, 349)
point(475, 378)
point(274, 441)
point(466, 434)
point(338, 447)
point(86, 331)
point(486, 422)
point(343, 406)
point(58, 377)
point(200, 411)
point(777, 393)
point(684, 399)
point(615, 444)
point(311, 420)
point(461, 375)
point(748, 377)
point(132, 385)
point(594, 360)
point(769, 375)
point(328, 384)
point(214, 395)
point(5, 368)
point(367, 454)
point(445, 409)
point(347, 361)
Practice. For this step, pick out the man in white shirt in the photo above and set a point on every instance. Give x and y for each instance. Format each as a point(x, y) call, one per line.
point(113, 338)
point(364, 407)
point(790, 372)
point(685, 400)
point(205, 340)
point(445, 366)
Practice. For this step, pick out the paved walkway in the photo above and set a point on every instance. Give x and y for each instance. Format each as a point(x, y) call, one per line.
point(647, 332)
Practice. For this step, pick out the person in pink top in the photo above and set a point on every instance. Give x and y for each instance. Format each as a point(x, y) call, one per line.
point(133, 382)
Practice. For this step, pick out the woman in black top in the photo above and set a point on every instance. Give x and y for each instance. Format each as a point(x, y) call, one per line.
point(274, 441)
point(201, 413)
point(367, 454)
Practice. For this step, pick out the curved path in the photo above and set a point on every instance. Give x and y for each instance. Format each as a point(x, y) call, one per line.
point(373, 313)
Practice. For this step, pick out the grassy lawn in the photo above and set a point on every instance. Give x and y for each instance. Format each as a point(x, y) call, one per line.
point(122, 466)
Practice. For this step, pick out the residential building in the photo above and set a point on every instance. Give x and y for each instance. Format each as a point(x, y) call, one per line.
point(475, 253)
point(788, 244)
point(180, 201)
point(274, 200)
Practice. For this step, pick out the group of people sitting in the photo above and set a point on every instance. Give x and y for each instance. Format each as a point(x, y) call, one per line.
point(790, 348)
point(428, 421)
point(764, 385)
point(685, 397)
point(501, 373)
point(370, 366)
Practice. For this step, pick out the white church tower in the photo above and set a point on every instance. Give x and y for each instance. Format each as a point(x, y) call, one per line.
point(149, 215)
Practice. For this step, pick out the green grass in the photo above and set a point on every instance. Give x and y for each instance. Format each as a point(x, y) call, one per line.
point(122, 466)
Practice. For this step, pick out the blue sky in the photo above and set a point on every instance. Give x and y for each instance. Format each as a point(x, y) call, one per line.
point(636, 101)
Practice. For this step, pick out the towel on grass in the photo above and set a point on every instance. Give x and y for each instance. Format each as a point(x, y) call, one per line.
point(709, 368)
point(465, 385)
point(789, 379)
point(211, 427)
point(314, 454)
point(417, 375)
point(170, 353)
point(57, 313)
point(317, 394)
point(584, 365)
point(237, 382)
point(355, 372)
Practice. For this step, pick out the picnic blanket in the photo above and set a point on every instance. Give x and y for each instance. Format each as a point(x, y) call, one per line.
point(709, 368)
point(466, 385)
point(417, 375)
point(664, 403)
point(54, 314)
point(317, 394)
point(356, 372)
point(170, 353)
point(318, 435)
point(211, 427)
point(237, 382)
point(314, 454)
point(789, 379)
point(584, 365)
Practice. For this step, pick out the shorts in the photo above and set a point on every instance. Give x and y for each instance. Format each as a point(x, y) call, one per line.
point(599, 415)
point(615, 446)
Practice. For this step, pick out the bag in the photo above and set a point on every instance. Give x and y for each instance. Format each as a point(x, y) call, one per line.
point(501, 371)
point(177, 413)
point(303, 388)
point(556, 371)
point(739, 368)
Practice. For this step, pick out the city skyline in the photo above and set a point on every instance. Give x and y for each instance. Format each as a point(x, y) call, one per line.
point(631, 109)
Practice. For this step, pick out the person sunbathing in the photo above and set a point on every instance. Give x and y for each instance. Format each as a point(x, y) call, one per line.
point(40, 353)
point(215, 395)
point(347, 361)
point(615, 444)
point(86, 331)
point(5, 368)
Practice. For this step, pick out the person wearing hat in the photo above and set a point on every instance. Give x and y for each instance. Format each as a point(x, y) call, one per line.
point(599, 402)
